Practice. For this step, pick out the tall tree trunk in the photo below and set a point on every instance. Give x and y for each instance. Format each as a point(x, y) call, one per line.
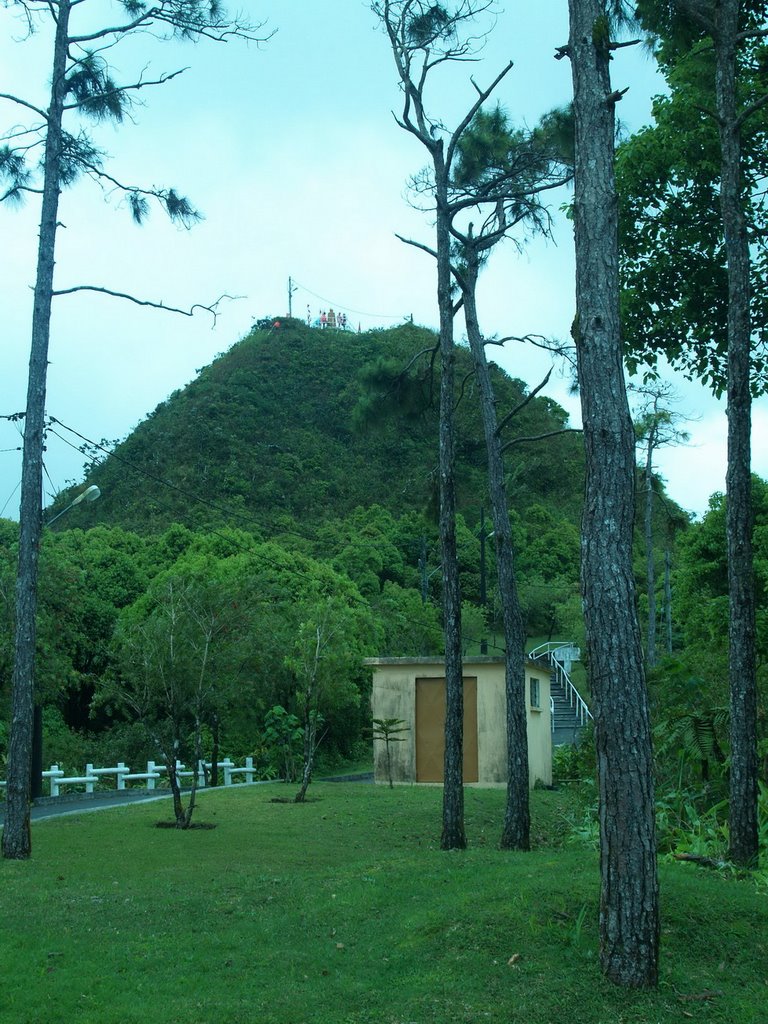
point(453, 836)
point(215, 729)
point(668, 596)
point(741, 629)
point(17, 842)
point(629, 917)
point(516, 832)
point(310, 744)
point(173, 780)
point(650, 562)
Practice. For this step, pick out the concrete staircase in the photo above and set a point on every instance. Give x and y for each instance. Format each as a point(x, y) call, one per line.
point(566, 726)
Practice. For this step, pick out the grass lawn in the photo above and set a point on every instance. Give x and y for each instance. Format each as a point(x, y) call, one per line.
point(344, 911)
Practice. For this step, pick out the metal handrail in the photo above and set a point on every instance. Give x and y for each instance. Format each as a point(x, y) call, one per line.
point(548, 651)
point(551, 647)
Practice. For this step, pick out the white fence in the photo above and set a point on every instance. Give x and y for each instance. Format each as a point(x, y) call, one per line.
point(123, 775)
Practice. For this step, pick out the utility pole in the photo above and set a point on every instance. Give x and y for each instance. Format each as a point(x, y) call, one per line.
point(291, 289)
point(483, 591)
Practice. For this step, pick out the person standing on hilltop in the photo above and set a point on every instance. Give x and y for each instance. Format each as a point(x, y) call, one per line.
point(331, 318)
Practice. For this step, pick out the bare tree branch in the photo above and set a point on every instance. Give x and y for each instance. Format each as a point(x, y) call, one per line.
point(134, 87)
point(566, 352)
point(417, 245)
point(212, 308)
point(750, 110)
point(521, 405)
point(483, 95)
point(540, 437)
point(23, 103)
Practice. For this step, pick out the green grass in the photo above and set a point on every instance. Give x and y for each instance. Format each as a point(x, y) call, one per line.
point(344, 911)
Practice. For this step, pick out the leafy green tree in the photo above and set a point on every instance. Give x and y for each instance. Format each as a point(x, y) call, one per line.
point(284, 738)
point(409, 626)
point(328, 642)
point(366, 547)
point(701, 587)
point(672, 254)
point(172, 646)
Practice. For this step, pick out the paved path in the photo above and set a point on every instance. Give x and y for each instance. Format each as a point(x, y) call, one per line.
point(84, 803)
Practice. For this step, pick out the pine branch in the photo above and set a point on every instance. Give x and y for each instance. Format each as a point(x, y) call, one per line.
point(177, 207)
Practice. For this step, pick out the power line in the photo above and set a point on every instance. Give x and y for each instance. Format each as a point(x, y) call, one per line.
point(149, 476)
point(8, 500)
point(341, 305)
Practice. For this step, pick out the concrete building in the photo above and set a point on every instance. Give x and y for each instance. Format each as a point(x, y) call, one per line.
point(413, 690)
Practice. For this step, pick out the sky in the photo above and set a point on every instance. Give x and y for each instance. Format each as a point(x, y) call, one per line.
point(290, 150)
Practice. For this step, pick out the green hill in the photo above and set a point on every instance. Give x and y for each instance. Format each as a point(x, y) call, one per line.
point(267, 438)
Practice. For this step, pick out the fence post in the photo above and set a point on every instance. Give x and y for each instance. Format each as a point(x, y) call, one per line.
point(227, 765)
point(249, 769)
point(122, 771)
point(150, 771)
point(201, 774)
point(89, 783)
point(55, 779)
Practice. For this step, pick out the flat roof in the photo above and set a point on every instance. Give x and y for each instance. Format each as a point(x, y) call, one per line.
point(475, 659)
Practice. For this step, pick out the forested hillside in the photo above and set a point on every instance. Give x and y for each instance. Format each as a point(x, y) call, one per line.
point(272, 436)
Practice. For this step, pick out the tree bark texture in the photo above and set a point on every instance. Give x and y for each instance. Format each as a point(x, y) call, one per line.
point(650, 562)
point(516, 831)
point(629, 915)
point(741, 629)
point(17, 842)
point(453, 835)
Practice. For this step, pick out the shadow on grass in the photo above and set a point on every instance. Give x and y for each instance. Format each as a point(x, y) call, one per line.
point(185, 828)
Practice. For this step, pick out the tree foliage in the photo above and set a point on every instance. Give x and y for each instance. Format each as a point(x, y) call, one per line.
point(673, 263)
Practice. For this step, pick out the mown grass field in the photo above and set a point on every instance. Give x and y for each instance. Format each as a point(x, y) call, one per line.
point(344, 911)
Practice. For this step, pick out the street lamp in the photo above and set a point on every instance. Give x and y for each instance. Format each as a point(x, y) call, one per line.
point(89, 494)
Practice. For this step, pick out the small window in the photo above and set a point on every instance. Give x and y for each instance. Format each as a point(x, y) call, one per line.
point(534, 689)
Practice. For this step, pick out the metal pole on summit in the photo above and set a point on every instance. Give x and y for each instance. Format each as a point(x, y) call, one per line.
point(291, 290)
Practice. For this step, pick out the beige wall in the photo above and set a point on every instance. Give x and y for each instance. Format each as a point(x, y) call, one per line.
point(394, 696)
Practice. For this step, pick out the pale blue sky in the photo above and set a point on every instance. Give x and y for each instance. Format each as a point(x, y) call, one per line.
point(291, 152)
